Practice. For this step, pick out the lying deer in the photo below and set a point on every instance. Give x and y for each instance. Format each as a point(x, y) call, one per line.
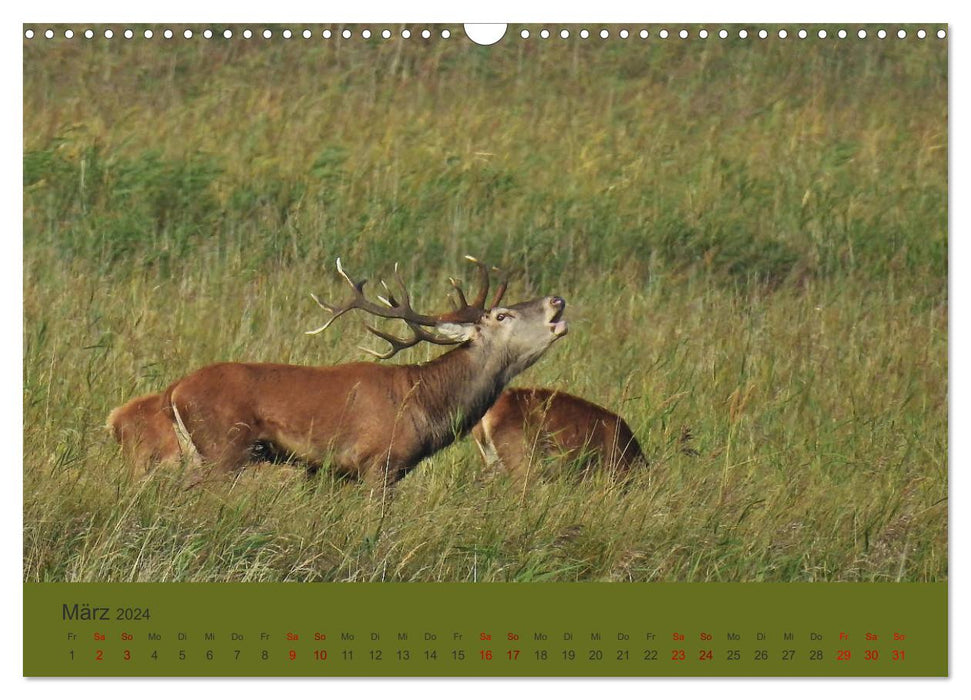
point(369, 421)
point(527, 426)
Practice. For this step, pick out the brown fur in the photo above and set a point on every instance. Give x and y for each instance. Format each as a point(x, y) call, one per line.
point(145, 432)
point(525, 425)
point(370, 421)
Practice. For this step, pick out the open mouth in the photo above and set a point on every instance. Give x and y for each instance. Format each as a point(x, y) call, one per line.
point(558, 326)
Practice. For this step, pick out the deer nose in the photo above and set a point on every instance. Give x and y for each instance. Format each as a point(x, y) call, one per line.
point(557, 302)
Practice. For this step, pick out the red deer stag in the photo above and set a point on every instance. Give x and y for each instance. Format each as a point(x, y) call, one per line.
point(369, 421)
point(526, 426)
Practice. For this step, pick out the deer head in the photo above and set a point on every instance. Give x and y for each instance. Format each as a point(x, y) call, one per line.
point(522, 331)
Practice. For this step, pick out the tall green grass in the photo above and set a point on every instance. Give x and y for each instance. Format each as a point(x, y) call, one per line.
point(751, 237)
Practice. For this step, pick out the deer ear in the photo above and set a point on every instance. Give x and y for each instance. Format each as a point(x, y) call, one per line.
point(459, 332)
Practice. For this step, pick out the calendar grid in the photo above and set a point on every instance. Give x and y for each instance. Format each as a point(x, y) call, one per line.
point(485, 630)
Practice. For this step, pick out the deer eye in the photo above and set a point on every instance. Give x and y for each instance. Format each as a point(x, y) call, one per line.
point(501, 317)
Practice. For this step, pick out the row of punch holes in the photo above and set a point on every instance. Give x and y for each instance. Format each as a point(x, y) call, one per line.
point(524, 33)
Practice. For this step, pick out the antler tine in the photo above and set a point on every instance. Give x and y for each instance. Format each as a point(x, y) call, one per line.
point(500, 291)
point(336, 312)
point(399, 344)
point(405, 296)
point(355, 302)
point(458, 290)
point(390, 309)
point(388, 299)
point(359, 286)
point(479, 301)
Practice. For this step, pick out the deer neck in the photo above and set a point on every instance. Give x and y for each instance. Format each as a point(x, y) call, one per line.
point(453, 391)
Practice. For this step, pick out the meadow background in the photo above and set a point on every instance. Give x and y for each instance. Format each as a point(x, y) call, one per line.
point(751, 236)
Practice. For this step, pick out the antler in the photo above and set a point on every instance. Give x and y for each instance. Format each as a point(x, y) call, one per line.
point(471, 312)
point(400, 308)
point(418, 333)
point(392, 308)
point(398, 344)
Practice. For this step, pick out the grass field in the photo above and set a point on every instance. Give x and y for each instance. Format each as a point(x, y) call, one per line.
point(751, 236)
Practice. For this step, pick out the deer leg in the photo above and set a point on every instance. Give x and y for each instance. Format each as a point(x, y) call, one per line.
point(227, 450)
point(483, 440)
point(380, 478)
point(514, 454)
point(208, 437)
point(221, 457)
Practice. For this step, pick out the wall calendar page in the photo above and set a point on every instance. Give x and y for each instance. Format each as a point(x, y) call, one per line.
point(526, 350)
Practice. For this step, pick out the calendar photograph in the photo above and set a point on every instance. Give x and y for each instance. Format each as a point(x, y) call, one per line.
point(586, 304)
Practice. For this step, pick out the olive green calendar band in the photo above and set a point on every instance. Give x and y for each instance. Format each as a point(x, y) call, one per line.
point(452, 629)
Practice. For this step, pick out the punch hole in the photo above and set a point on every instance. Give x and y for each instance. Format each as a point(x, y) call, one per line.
point(624, 33)
point(446, 34)
point(68, 34)
point(861, 33)
point(683, 34)
point(287, 34)
point(564, 33)
point(366, 34)
point(307, 34)
point(167, 34)
point(901, 34)
point(723, 34)
point(643, 34)
point(109, 34)
point(663, 34)
point(405, 33)
point(489, 34)
point(763, 34)
point(327, 34)
point(29, 34)
point(524, 34)
point(882, 34)
point(821, 33)
point(742, 34)
point(703, 34)
point(129, 33)
point(148, 34)
point(921, 34)
point(49, 34)
point(386, 34)
point(187, 33)
point(584, 34)
point(941, 34)
point(346, 34)
point(545, 34)
point(207, 34)
point(841, 33)
point(604, 33)
point(802, 34)
point(227, 34)
point(425, 34)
